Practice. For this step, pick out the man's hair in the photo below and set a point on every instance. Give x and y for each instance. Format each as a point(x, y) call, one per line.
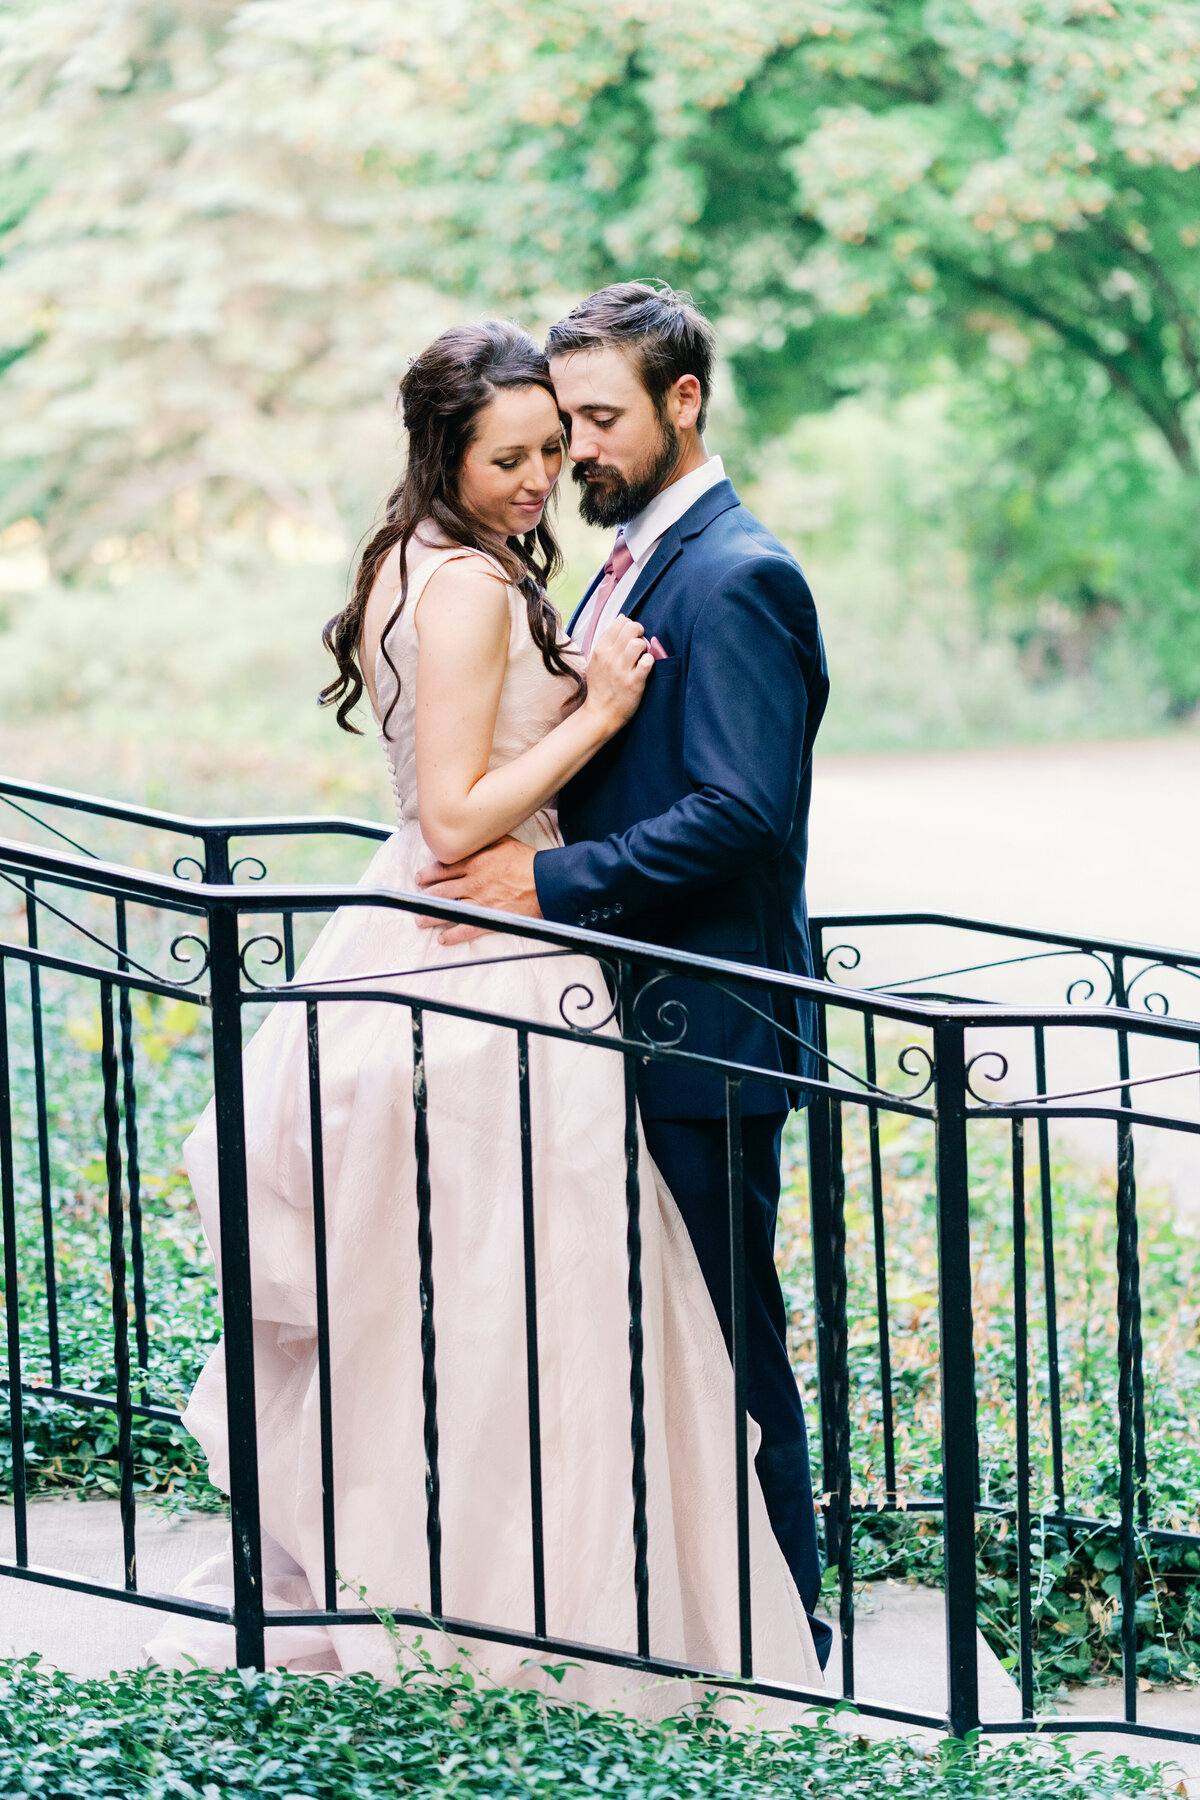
point(664, 333)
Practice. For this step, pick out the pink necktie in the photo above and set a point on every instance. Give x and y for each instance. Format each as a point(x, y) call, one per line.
point(615, 569)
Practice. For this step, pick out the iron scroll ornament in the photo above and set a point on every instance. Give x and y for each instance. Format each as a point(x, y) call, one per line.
point(672, 1015)
point(845, 958)
point(566, 1002)
point(1162, 1009)
point(269, 958)
point(1121, 1085)
point(121, 953)
point(994, 1056)
point(1081, 981)
point(258, 868)
point(851, 955)
point(244, 861)
point(180, 955)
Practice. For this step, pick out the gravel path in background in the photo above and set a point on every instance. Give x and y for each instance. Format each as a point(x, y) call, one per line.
point(1101, 838)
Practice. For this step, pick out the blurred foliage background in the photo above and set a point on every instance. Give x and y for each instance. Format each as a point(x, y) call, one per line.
point(952, 248)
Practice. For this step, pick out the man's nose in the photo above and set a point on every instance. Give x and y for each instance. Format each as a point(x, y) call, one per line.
point(580, 447)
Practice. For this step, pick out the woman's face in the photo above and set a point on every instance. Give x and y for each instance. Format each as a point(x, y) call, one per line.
point(513, 461)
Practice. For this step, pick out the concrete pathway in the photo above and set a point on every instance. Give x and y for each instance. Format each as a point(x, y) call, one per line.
point(78, 1632)
point(1101, 838)
point(899, 1630)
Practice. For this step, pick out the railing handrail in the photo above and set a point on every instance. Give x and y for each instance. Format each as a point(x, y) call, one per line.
point(1023, 933)
point(189, 825)
point(310, 825)
point(35, 873)
point(265, 897)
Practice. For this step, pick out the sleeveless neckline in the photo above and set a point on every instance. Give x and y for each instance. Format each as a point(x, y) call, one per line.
point(532, 698)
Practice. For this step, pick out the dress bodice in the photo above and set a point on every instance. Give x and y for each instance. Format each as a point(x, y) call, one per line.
point(532, 700)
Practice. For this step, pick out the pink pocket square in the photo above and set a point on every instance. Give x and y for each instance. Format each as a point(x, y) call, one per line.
point(656, 650)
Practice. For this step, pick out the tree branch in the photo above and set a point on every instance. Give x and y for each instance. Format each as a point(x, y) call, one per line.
point(1166, 290)
point(1165, 418)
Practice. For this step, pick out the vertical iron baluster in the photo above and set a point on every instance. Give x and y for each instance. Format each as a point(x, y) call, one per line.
point(1128, 1342)
point(433, 1517)
point(881, 1293)
point(237, 1302)
point(957, 1351)
point(43, 1137)
point(637, 1379)
point(532, 1371)
point(289, 946)
point(1140, 1461)
point(840, 1346)
point(1047, 1195)
point(738, 1351)
point(133, 1167)
point(8, 1207)
point(321, 1262)
point(1021, 1342)
point(820, 1188)
point(116, 1264)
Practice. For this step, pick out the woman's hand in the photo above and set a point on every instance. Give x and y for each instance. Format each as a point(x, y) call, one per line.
point(617, 671)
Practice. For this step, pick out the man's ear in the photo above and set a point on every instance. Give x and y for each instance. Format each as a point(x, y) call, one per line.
point(684, 401)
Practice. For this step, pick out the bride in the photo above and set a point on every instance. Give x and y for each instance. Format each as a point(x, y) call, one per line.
point(483, 713)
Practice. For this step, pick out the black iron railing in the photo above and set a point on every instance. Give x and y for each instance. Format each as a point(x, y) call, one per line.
point(1101, 1049)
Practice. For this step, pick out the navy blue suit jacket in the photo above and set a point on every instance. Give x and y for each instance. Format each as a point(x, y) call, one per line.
point(690, 827)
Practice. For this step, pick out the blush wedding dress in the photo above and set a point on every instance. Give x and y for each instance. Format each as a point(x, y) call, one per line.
point(578, 1113)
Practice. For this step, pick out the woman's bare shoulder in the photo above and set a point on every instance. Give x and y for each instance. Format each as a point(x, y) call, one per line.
point(472, 582)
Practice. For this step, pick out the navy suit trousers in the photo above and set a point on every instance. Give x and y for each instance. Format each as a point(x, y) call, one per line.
point(690, 1154)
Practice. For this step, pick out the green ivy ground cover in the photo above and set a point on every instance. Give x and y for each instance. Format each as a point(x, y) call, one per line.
point(1076, 1585)
point(212, 1737)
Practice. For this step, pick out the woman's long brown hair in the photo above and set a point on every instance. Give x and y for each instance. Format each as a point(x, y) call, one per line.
point(444, 392)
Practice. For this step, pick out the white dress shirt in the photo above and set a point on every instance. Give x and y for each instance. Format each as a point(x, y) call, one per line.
point(644, 533)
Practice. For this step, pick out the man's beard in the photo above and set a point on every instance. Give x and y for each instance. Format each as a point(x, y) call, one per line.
point(618, 498)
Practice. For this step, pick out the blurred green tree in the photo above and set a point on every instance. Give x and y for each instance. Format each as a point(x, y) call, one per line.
point(229, 220)
point(997, 193)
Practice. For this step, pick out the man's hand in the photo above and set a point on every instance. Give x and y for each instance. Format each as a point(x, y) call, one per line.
point(500, 876)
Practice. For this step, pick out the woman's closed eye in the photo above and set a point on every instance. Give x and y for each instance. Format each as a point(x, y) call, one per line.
point(514, 462)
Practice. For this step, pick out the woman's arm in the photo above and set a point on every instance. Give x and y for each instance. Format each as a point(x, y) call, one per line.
point(462, 626)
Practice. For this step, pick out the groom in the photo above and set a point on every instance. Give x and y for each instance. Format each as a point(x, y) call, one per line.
point(690, 828)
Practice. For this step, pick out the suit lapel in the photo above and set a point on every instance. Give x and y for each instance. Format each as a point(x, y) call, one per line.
point(670, 545)
point(708, 507)
point(711, 504)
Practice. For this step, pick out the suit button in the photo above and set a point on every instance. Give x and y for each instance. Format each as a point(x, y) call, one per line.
point(606, 913)
point(582, 919)
point(593, 916)
point(617, 908)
